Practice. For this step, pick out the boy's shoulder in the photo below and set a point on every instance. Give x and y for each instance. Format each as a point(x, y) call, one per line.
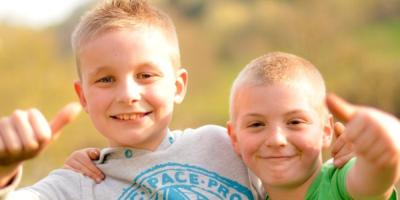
point(207, 135)
point(331, 182)
point(210, 131)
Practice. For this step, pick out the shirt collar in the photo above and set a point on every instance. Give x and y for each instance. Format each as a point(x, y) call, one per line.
point(127, 152)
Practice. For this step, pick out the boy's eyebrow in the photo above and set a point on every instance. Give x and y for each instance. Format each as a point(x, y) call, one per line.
point(98, 70)
point(296, 111)
point(107, 68)
point(252, 115)
point(292, 112)
point(147, 64)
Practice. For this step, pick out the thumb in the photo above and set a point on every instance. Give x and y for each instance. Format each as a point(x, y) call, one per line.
point(64, 116)
point(340, 108)
point(94, 154)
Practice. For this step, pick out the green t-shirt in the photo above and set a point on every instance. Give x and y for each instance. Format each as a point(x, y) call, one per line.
point(330, 184)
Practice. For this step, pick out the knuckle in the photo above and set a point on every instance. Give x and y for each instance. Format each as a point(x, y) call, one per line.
point(43, 136)
point(31, 147)
point(4, 121)
point(33, 112)
point(14, 150)
point(18, 114)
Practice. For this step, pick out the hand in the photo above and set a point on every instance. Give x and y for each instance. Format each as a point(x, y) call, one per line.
point(24, 134)
point(341, 150)
point(81, 161)
point(373, 134)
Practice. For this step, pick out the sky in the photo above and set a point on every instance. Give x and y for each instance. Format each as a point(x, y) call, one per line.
point(37, 13)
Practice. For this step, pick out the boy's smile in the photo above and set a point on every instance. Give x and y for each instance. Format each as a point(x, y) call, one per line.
point(278, 133)
point(130, 116)
point(129, 85)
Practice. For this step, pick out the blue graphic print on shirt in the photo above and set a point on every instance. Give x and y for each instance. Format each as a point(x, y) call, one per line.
point(174, 181)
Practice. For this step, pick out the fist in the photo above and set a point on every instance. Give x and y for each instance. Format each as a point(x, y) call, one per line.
point(26, 132)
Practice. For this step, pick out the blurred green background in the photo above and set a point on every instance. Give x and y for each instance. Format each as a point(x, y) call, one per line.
point(355, 44)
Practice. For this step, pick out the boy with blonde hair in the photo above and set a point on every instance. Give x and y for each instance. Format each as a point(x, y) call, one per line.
point(279, 125)
point(128, 62)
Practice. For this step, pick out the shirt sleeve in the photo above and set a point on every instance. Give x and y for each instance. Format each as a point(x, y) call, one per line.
point(58, 185)
point(339, 180)
point(394, 195)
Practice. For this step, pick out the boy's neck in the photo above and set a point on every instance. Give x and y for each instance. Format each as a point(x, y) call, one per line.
point(151, 145)
point(295, 192)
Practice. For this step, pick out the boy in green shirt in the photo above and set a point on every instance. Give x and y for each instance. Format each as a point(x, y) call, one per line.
point(279, 125)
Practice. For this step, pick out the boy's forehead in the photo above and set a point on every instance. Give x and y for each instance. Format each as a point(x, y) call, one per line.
point(298, 91)
point(299, 84)
point(141, 31)
point(151, 39)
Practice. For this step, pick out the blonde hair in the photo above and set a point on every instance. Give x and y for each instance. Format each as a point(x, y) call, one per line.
point(111, 15)
point(279, 67)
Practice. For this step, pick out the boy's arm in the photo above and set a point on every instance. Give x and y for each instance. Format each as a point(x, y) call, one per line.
point(60, 184)
point(8, 173)
point(24, 134)
point(375, 140)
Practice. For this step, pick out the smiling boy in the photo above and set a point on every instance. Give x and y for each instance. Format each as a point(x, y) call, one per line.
point(279, 125)
point(128, 85)
point(129, 81)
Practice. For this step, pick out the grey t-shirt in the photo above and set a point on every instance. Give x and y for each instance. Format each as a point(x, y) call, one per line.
point(191, 164)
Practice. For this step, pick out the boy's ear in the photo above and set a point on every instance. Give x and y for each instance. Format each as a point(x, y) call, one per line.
point(233, 137)
point(181, 85)
point(81, 96)
point(328, 128)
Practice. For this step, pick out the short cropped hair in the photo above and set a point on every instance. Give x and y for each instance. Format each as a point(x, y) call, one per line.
point(111, 15)
point(279, 67)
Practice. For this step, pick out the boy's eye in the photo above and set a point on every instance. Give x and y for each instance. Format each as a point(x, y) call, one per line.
point(255, 124)
point(297, 122)
point(107, 79)
point(145, 75)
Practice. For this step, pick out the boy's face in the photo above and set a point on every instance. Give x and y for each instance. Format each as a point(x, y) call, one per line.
point(129, 86)
point(278, 133)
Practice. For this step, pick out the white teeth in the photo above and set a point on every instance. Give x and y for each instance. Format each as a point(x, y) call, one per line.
point(129, 116)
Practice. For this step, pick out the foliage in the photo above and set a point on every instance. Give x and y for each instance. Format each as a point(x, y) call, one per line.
point(354, 43)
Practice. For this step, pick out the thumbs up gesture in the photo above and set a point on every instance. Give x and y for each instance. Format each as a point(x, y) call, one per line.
point(24, 134)
point(373, 134)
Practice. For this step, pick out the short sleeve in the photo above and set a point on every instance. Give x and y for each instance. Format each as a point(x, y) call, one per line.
point(339, 179)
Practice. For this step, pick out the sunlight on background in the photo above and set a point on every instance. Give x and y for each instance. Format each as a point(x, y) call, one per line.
point(37, 13)
point(355, 44)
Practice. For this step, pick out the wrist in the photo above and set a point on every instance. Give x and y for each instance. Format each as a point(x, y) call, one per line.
point(7, 173)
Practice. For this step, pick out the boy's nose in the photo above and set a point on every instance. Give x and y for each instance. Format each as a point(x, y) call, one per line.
point(276, 138)
point(129, 92)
